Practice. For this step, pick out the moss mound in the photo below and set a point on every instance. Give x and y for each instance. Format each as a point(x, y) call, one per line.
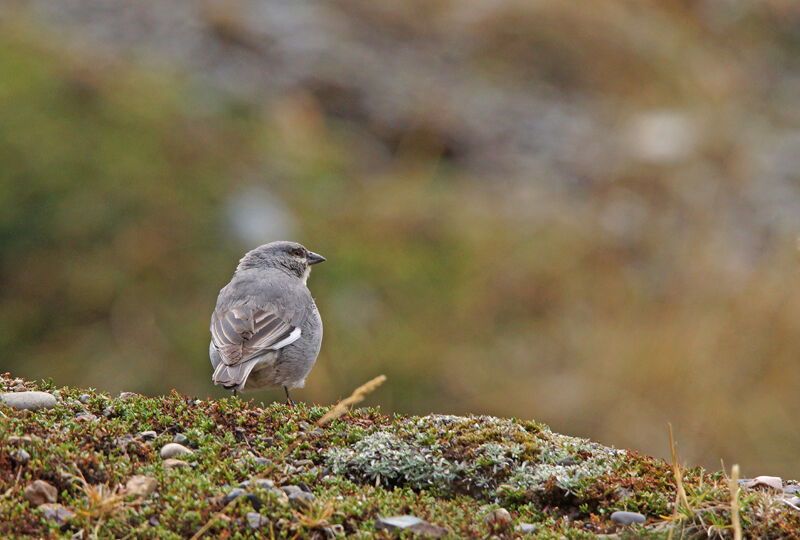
point(450, 471)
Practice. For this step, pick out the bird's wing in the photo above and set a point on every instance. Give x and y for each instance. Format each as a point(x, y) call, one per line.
point(242, 333)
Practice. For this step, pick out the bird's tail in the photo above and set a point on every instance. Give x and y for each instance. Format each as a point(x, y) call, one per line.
point(233, 377)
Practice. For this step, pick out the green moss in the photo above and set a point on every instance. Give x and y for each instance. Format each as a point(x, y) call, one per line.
point(448, 470)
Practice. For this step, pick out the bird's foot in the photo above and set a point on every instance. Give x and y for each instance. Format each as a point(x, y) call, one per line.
point(289, 401)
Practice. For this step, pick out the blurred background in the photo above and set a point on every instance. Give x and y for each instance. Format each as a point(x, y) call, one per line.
point(586, 216)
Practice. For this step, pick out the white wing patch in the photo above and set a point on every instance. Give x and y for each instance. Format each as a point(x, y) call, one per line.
point(291, 338)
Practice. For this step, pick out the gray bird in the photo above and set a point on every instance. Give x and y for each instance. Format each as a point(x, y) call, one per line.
point(266, 330)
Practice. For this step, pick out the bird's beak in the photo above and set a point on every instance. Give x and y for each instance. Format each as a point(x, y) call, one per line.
point(314, 258)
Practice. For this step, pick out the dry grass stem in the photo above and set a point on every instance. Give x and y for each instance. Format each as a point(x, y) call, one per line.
point(734, 484)
point(680, 495)
point(357, 396)
point(677, 471)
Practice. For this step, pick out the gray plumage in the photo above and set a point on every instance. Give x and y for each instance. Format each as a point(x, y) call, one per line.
point(266, 330)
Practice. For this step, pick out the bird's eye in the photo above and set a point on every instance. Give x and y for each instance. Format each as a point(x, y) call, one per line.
point(297, 252)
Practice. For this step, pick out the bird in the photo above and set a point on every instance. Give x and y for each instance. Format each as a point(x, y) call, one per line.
point(266, 330)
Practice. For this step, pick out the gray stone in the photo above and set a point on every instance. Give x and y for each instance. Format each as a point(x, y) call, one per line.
point(23, 439)
point(234, 494)
point(265, 483)
point(56, 512)
point(392, 523)
point(256, 520)
point(626, 518)
point(147, 435)
point(410, 523)
point(301, 500)
point(334, 530)
point(85, 398)
point(85, 417)
point(498, 519)
point(20, 456)
point(303, 426)
point(172, 463)
point(124, 441)
point(526, 528)
point(39, 492)
point(29, 400)
point(180, 438)
point(127, 395)
point(172, 450)
point(141, 486)
point(290, 490)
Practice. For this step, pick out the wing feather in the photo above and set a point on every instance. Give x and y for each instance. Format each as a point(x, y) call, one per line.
point(242, 333)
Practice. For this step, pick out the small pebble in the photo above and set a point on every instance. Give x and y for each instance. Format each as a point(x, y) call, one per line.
point(791, 488)
point(317, 431)
point(239, 492)
point(171, 450)
point(526, 528)
point(86, 417)
point(261, 461)
point(410, 523)
point(304, 463)
point(334, 530)
point(39, 492)
point(626, 518)
point(85, 398)
point(256, 520)
point(23, 439)
point(774, 482)
point(172, 463)
point(233, 494)
point(141, 486)
point(147, 435)
point(392, 523)
point(124, 441)
point(303, 426)
point(127, 395)
point(180, 438)
point(301, 500)
point(291, 490)
point(56, 512)
point(498, 519)
point(20, 456)
point(265, 483)
point(29, 400)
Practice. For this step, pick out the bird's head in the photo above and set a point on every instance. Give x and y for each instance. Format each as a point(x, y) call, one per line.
point(287, 256)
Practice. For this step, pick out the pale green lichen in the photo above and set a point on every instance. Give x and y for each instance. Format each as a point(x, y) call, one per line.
point(474, 455)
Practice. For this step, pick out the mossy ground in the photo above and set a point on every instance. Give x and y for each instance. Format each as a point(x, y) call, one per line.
point(450, 471)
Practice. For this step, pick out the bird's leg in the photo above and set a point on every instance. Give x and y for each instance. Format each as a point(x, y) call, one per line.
point(235, 392)
point(289, 400)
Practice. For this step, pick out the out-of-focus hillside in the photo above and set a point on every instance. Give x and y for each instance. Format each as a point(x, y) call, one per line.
point(583, 215)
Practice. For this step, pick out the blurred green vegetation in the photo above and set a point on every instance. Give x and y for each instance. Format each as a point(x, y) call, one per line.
point(469, 297)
